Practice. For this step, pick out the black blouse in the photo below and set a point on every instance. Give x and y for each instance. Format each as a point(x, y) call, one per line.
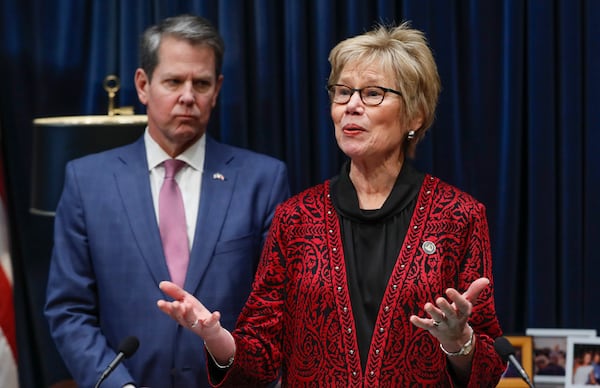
point(372, 241)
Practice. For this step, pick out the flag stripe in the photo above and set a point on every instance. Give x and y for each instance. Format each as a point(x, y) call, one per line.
point(8, 334)
point(7, 314)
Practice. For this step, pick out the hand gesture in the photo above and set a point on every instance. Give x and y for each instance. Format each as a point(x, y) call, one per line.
point(188, 311)
point(448, 317)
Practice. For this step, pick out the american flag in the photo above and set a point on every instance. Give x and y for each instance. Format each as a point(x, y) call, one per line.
point(8, 340)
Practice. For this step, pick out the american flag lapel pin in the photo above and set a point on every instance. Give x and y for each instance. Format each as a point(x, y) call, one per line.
point(218, 176)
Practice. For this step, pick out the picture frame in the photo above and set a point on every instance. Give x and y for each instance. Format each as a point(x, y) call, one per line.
point(523, 345)
point(581, 353)
point(550, 349)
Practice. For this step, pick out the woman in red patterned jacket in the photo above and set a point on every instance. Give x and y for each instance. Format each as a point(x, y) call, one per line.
point(379, 277)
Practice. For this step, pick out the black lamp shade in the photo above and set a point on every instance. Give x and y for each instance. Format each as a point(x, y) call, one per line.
point(56, 140)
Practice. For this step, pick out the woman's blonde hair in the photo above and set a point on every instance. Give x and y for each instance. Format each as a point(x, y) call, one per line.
point(403, 52)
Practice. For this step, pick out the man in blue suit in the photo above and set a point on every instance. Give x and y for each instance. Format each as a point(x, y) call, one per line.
point(108, 256)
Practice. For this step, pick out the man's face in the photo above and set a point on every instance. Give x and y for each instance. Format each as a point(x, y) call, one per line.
point(181, 95)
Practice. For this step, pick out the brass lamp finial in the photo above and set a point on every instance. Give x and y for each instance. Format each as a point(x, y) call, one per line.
point(112, 84)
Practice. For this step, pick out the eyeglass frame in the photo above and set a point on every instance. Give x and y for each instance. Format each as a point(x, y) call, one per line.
point(360, 90)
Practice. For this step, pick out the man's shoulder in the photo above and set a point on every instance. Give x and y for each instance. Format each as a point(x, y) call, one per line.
point(243, 155)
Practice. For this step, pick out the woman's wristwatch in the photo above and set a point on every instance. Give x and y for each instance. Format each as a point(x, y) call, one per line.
point(465, 350)
point(226, 366)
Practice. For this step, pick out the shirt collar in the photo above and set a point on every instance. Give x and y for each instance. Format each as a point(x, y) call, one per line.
point(193, 155)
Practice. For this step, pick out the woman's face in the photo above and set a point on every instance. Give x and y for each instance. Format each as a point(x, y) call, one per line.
point(370, 134)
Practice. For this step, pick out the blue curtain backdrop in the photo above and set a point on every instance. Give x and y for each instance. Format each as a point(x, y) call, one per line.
point(518, 123)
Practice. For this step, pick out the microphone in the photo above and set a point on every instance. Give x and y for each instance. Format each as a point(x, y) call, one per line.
point(127, 347)
point(505, 349)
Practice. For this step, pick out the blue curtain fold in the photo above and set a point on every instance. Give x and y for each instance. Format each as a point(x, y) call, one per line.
point(517, 124)
point(589, 264)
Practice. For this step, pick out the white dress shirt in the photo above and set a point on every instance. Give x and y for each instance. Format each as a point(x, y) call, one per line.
point(189, 178)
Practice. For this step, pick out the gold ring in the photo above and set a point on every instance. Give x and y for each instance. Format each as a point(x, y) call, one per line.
point(436, 323)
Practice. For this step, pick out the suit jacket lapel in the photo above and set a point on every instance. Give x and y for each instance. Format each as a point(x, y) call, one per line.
point(133, 180)
point(218, 183)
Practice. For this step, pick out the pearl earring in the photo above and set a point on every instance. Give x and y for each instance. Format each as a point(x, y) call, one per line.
point(411, 134)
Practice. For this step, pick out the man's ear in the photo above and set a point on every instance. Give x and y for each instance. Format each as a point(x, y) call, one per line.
point(142, 83)
point(217, 89)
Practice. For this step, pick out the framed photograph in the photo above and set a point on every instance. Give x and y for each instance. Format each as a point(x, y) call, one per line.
point(550, 352)
point(583, 362)
point(523, 353)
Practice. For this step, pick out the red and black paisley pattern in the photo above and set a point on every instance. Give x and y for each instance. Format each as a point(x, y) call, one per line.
point(299, 315)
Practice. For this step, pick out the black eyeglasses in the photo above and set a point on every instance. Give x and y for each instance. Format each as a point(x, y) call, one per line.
point(369, 95)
